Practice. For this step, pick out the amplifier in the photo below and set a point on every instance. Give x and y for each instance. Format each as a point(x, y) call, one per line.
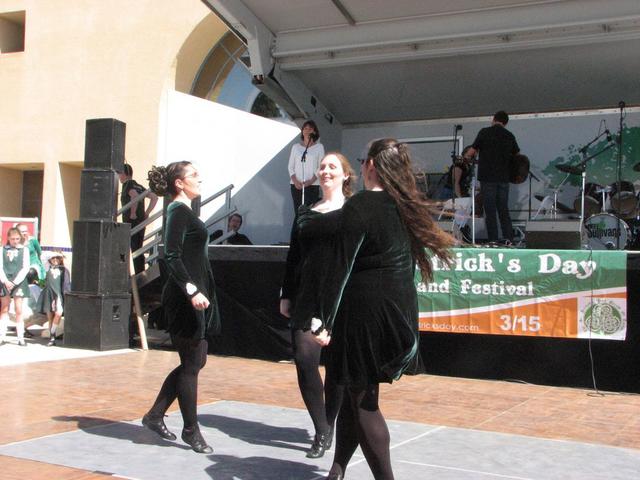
point(553, 234)
point(104, 144)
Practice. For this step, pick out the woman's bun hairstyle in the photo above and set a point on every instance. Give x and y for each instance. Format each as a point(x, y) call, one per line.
point(157, 178)
point(162, 180)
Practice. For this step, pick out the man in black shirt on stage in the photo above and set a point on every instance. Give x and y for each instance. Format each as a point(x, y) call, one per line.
point(497, 146)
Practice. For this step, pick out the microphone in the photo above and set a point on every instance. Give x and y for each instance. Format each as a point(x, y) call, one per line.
point(609, 138)
point(458, 127)
point(621, 105)
point(314, 137)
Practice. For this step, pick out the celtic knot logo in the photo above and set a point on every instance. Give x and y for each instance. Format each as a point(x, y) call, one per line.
point(603, 318)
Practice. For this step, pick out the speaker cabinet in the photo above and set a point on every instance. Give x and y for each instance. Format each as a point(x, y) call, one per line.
point(98, 194)
point(104, 144)
point(96, 322)
point(100, 257)
point(554, 234)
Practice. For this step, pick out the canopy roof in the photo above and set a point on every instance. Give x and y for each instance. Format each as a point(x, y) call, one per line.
point(382, 60)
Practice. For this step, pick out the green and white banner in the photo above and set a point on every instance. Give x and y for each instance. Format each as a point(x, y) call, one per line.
point(549, 293)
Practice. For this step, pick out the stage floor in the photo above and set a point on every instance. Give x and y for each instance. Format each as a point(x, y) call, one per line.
point(79, 419)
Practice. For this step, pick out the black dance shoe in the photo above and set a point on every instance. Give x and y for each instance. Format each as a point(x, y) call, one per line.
point(330, 441)
point(320, 443)
point(157, 425)
point(195, 440)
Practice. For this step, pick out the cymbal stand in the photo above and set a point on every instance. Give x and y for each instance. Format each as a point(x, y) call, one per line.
point(584, 184)
point(554, 209)
point(583, 166)
point(531, 177)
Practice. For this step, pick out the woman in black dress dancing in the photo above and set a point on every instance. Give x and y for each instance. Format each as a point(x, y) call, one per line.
point(188, 299)
point(307, 261)
point(369, 303)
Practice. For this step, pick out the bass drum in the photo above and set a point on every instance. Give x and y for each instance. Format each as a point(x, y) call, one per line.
point(592, 200)
point(623, 202)
point(606, 232)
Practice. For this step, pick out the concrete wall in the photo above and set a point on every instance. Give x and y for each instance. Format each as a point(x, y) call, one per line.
point(88, 59)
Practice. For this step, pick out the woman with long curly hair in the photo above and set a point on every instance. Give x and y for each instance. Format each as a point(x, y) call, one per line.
point(308, 261)
point(369, 309)
point(188, 299)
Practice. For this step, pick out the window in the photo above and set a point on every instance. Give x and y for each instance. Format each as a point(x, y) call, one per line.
point(12, 32)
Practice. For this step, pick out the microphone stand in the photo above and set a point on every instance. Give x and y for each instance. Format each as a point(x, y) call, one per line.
point(621, 105)
point(454, 155)
point(473, 201)
point(303, 160)
point(531, 176)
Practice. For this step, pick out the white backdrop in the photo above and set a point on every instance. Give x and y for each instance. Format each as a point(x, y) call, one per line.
point(228, 146)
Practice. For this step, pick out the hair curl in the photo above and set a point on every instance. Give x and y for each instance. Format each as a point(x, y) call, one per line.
point(162, 180)
point(395, 173)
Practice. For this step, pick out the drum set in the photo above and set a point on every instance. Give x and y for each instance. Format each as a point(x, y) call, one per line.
point(611, 219)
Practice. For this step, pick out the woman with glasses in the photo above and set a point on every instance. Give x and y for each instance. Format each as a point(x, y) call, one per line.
point(188, 299)
point(369, 313)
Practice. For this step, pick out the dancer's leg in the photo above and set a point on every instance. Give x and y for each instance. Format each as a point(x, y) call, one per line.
point(346, 437)
point(193, 355)
point(5, 301)
point(333, 396)
point(307, 358)
point(17, 306)
point(373, 433)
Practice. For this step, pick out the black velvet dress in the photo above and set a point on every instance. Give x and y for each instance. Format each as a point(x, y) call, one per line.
point(308, 262)
point(187, 261)
point(369, 301)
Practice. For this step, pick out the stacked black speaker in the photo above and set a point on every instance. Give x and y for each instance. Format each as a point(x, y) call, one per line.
point(97, 308)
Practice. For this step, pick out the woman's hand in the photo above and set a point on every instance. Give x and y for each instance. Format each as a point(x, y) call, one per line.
point(9, 285)
point(200, 302)
point(323, 338)
point(285, 307)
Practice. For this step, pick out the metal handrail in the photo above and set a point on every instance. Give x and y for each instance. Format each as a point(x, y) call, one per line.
point(227, 213)
point(152, 233)
point(157, 233)
point(222, 238)
point(149, 220)
point(226, 190)
point(141, 196)
point(146, 247)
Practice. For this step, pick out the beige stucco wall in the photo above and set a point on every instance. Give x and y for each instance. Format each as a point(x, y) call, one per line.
point(90, 59)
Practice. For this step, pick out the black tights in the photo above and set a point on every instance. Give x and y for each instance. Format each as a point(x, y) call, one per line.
point(182, 382)
point(361, 423)
point(322, 402)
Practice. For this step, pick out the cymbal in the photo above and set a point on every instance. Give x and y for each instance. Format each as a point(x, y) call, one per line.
point(636, 167)
point(562, 208)
point(572, 169)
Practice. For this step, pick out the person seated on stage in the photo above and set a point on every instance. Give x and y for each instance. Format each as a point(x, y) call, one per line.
point(458, 177)
point(233, 225)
